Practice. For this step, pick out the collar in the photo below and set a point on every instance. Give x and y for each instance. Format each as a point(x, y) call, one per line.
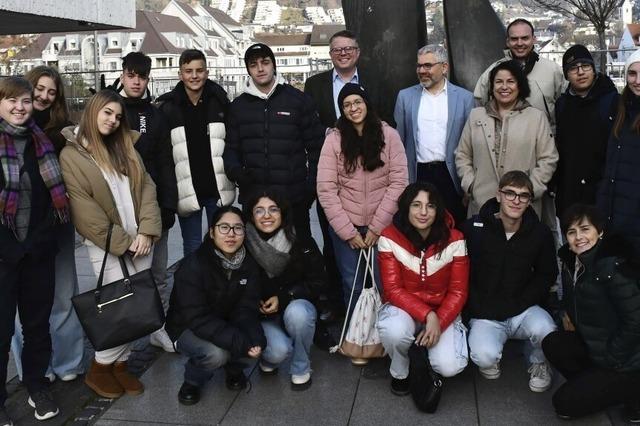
point(253, 90)
point(354, 79)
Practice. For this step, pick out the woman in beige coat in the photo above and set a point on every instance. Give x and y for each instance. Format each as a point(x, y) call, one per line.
point(107, 184)
point(506, 134)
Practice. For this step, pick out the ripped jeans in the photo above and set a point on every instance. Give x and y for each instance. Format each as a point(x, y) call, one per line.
point(397, 330)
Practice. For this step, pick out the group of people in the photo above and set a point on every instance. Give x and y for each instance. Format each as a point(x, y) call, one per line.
point(459, 204)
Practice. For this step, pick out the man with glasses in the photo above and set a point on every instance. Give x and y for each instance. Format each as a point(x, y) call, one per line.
point(325, 86)
point(585, 113)
point(513, 266)
point(430, 117)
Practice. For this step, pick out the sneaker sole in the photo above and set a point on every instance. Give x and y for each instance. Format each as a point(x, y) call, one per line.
point(45, 416)
point(400, 393)
point(539, 390)
point(301, 386)
point(489, 376)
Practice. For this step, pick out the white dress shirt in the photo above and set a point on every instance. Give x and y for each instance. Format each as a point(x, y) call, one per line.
point(432, 126)
point(338, 84)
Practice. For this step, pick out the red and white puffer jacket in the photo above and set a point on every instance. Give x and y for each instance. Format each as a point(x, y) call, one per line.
point(419, 282)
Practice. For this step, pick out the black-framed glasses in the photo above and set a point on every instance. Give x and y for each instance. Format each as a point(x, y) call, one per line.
point(261, 211)
point(427, 65)
point(523, 197)
point(340, 50)
point(573, 69)
point(225, 228)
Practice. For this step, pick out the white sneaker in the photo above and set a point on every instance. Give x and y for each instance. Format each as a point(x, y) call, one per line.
point(541, 375)
point(161, 339)
point(51, 377)
point(265, 368)
point(490, 373)
point(300, 379)
point(69, 377)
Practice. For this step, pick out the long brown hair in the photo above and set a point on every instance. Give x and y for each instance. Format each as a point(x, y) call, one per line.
point(624, 100)
point(361, 151)
point(115, 152)
point(59, 111)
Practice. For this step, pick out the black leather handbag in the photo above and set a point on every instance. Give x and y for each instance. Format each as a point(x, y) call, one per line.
point(121, 311)
point(424, 383)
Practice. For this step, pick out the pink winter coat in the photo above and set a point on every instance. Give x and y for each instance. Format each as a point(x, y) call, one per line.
point(361, 198)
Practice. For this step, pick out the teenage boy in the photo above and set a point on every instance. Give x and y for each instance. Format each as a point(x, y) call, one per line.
point(513, 265)
point(196, 110)
point(154, 147)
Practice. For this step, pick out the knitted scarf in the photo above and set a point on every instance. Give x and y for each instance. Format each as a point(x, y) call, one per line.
point(272, 254)
point(49, 171)
point(235, 262)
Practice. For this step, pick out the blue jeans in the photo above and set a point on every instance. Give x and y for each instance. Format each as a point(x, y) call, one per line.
point(347, 261)
point(203, 358)
point(300, 324)
point(67, 337)
point(191, 225)
point(487, 337)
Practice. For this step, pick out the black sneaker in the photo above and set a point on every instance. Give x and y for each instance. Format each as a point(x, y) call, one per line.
point(42, 401)
point(189, 394)
point(322, 338)
point(634, 412)
point(5, 420)
point(235, 381)
point(400, 387)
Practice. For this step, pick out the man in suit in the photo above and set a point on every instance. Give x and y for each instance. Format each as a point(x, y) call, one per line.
point(430, 117)
point(324, 89)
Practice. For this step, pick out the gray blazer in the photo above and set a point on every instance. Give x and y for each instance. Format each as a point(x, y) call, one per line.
point(460, 103)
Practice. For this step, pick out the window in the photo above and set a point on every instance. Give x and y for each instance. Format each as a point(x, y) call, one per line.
point(113, 66)
point(279, 49)
point(114, 42)
point(72, 44)
point(170, 62)
point(161, 62)
point(56, 47)
point(134, 45)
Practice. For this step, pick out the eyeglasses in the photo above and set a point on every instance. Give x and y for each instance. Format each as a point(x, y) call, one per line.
point(427, 66)
point(261, 211)
point(523, 197)
point(340, 50)
point(583, 67)
point(225, 228)
point(348, 105)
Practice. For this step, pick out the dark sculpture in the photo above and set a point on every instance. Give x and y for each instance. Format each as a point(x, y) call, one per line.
point(391, 32)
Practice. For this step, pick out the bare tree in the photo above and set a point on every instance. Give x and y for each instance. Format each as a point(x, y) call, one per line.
point(597, 12)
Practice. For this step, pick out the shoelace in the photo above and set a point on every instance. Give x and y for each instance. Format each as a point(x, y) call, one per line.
point(539, 370)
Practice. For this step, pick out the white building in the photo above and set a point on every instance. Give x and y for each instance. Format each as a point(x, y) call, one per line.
point(317, 15)
point(268, 13)
point(336, 15)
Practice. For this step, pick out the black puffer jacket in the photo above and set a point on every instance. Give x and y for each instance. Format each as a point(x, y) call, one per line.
point(154, 146)
point(604, 302)
point(583, 126)
point(274, 143)
point(508, 276)
point(619, 195)
point(220, 310)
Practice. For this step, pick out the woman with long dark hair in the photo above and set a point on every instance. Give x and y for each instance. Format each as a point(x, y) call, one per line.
point(51, 115)
point(425, 276)
point(598, 352)
point(296, 277)
point(213, 313)
point(361, 173)
point(108, 185)
point(619, 195)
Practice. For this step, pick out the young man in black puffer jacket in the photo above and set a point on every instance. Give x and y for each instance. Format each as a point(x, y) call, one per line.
point(154, 146)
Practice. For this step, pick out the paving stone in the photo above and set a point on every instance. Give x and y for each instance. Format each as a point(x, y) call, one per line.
point(508, 400)
point(375, 404)
point(272, 401)
point(159, 403)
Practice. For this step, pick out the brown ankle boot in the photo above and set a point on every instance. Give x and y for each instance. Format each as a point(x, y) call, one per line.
point(100, 378)
point(129, 382)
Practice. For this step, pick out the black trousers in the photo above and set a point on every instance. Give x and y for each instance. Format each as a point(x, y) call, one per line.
point(29, 285)
point(334, 284)
point(588, 388)
point(437, 174)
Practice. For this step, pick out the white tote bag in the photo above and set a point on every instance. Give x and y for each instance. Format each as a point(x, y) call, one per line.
point(362, 339)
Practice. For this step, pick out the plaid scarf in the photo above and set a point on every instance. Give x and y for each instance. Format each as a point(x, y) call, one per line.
point(49, 171)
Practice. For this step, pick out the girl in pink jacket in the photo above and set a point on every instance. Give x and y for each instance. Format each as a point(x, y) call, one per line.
point(361, 173)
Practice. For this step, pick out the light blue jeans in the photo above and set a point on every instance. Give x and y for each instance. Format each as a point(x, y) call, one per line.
point(397, 330)
point(67, 337)
point(299, 320)
point(487, 337)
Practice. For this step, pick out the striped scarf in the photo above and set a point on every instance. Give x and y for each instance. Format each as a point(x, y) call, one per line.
point(49, 171)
